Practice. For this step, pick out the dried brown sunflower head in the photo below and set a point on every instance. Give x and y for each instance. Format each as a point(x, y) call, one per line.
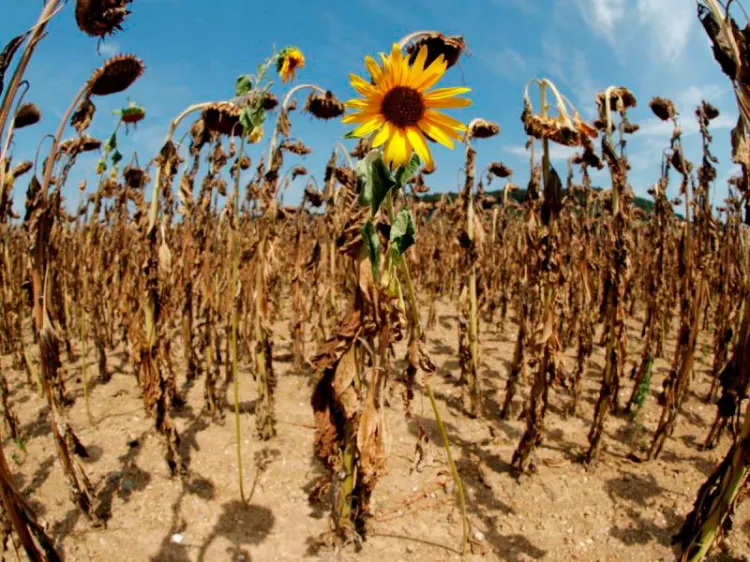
point(99, 18)
point(80, 144)
point(710, 111)
point(362, 148)
point(295, 146)
point(26, 115)
point(620, 99)
point(483, 129)
point(223, 118)
point(269, 101)
point(135, 177)
point(117, 75)
point(438, 44)
point(82, 116)
point(663, 108)
point(314, 196)
point(324, 106)
point(22, 168)
point(500, 170)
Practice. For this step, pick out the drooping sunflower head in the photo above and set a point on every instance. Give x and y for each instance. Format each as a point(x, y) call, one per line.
point(399, 109)
point(288, 61)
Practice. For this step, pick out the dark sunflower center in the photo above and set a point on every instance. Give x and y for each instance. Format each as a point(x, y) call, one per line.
point(402, 106)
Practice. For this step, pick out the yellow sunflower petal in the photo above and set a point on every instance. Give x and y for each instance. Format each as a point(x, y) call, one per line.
point(374, 68)
point(432, 74)
point(368, 127)
point(382, 135)
point(397, 150)
point(443, 119)
point(397, 65)
point(362, 104)
point(363, 87)
point(416, 72)
point(442, 93)
point(415, 138)
point(436, 132)
point(447, 103)
point(359, 117)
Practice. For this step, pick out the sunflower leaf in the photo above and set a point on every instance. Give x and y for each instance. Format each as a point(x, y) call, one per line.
point(406, 172)
point(243, 85)
point(370, 237)
point(402, 232)
point(374, 179)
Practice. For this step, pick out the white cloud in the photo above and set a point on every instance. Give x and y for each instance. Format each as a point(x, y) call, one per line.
point(557, 152)
point(670, 22)
point(508, 63)
point(653, 127)
point(109, 48)
point(602, 15)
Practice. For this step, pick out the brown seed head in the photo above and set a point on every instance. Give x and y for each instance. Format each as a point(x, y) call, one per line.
point(117, 75)
point(438, 44)
point(80, 144)
point(709, 111)
point(99, 18)
point(500, 170)
point(82, 116)
point(483, 129)
point(22, 168)
point(663, 108)
point(26, 115)
point(223, 118)
point(362, 148)
point(325, 106)
point(135, 177)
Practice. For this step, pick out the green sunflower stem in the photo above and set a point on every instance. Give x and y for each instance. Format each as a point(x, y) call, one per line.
point(417, 326)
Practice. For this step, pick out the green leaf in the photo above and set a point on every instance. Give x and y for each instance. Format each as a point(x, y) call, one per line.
point(406, 172)
point(116, 157)
point(370, 237)
point(111, 143)
point(246, 119)
point(243, 85)
point(402, 232)
point(375, 180)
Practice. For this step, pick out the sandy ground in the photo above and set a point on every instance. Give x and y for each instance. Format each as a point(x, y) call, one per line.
point(618, 511)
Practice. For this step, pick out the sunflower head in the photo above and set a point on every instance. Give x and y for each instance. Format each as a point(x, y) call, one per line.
point(131, 114)
point(288, 61)
point(399, 108)
point(26, 115)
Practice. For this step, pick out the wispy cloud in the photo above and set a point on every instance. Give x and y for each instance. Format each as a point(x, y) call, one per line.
point(557, 152)
point(602, 15)
point(669, 23)
point(507, 63)
point(110, 48)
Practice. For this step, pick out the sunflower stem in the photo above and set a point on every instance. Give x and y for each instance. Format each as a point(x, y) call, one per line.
point(417, 324)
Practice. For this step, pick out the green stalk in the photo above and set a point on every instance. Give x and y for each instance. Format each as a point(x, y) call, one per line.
point(235, 321)
point(417, 324)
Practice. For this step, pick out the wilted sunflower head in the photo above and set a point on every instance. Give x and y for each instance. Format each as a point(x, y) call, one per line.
point(288, 61)
point(450, 47)
point(324, 106)
point(99, 18)
point(223, 118)
point(663, 108)
point(117, 75)
point(483, 129)
point(26, 115)
point(400, 111)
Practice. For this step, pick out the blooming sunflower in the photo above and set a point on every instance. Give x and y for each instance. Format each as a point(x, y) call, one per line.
point(400, 111)
point(288, 61)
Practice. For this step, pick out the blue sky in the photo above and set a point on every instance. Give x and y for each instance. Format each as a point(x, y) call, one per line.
point(194, 50)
